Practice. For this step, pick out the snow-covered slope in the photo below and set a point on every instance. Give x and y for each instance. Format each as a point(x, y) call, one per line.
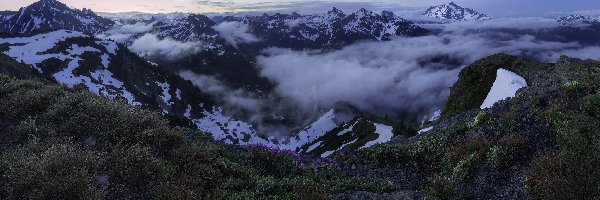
point(109, 69)
point(353, 135)
point(38, 49)
point(47, 15)
point(453, 11)
point(384, 134)
point(506, 85)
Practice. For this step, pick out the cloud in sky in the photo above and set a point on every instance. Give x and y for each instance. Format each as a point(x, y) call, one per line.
point(493, 7)
point(124, 33)
point(235, 33)
point(149, 45)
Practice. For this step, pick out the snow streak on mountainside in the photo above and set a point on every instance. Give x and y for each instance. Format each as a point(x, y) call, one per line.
point(52, 15)
point(39, 48)
point(452, 11)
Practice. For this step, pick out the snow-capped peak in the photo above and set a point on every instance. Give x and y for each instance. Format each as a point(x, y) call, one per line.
point(452, 11)
point(576, 19)
point(52, 15)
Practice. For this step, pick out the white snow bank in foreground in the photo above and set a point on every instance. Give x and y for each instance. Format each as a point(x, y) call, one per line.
point(506, 85)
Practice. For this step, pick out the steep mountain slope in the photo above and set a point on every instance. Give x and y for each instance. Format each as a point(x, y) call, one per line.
point(453, 11)
point(47, 15)
point(61, 143)
point(109, 69)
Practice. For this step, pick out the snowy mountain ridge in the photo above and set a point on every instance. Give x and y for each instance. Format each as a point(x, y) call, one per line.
point(52, 15)
point(577, 19)
point(452, 11)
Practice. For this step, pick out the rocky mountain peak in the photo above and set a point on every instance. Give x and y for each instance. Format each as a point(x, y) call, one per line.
point(335, 11)
point(453, 11)
point(47, 15)
point(577, 19)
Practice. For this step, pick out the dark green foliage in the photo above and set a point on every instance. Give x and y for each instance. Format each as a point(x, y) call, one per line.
point(574, 171)
point(591, 104)
point(16, 69)
point(440, 186)
point(52, 169)
point(53, 65)
point(391, 154)
point(462, 155)
point(403, 130)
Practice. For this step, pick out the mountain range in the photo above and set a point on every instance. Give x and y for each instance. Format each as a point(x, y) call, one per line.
point(576, 19)
point(66, 45)
point(78, 47)
point(87, 112)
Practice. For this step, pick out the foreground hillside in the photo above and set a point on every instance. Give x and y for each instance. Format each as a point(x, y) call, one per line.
point(543, 144)
point(60, 143)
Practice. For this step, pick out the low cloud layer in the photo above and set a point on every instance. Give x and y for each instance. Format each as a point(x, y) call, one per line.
point(235, 33)
point(149, 45)
point(124, 33)
point(405, 77)
point(231, 97)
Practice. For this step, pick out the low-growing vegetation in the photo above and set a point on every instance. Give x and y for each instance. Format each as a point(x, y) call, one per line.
point(61, 143)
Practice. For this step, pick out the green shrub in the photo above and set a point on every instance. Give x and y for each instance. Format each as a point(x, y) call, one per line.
point(193, 175)
point(440, 186)
point(433, 146)
point(464, 150)
point(572, 172)
point(464, 167)
point(564, 177)
point(481, 118)
point(390, 154)
point(494, 156)
point(402, 130)
point(55, 169)
point(591, 104)
point(573, 87)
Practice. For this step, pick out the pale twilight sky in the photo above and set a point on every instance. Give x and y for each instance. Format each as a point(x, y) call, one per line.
point(491, 7)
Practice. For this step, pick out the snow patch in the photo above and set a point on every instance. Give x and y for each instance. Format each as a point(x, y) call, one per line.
point(314, 146)
point(425, 130)
point(506, 86)
point(385, 135)
point(317, 129)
